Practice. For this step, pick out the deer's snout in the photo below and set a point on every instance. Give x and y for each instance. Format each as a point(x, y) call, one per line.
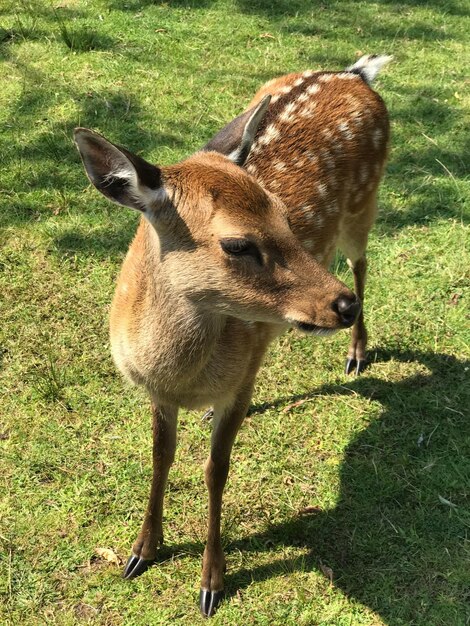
point(347, 307)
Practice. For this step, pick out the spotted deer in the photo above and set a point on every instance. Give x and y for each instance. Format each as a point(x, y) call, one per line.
point(232, 248)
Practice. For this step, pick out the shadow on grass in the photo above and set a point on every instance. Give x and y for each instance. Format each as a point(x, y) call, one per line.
point(64, 24)
point(56, 165)
point(396, 541)
point(275, 9)
point(430, 177)
point(391, 542)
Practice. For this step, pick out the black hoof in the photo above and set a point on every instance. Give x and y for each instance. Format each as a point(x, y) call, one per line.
point(208, 415)
point(135, 566)
point(361, 366)
point(209, 601)
point(356, 366)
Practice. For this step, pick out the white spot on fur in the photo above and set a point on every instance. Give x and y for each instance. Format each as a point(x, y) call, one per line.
point(271, 82)
point(280, 166)
point(319, 219)
point(275, 98)
point(356, 118)
point(285, 89)
point(306, 209)
point(326, 78)
point(298, 82)
point(251, 168)
point(303, 97)
point(377, 136)
point(344, 129)
point(313, 89)
point(327, 159)
point(308, 73)
point(322, 190)
point(270, 133)
point(287, 114)
point(347, 76)
point(311, 156)
point(308, 110)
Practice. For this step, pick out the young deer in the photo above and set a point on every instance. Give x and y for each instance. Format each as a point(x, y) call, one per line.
point(226, 258)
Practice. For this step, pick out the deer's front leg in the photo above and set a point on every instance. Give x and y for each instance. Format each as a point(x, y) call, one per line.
point(225, 428)
point(144, 550)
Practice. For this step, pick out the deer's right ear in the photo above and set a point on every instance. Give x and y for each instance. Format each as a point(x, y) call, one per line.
point(121, 176)
point(236, 139)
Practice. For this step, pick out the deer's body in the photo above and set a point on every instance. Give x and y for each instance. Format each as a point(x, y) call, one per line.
point(225, 258)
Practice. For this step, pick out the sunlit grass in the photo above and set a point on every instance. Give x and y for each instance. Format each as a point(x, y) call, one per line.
point(383, 460)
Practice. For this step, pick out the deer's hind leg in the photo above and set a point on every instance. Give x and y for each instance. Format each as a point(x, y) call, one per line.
point(353, 243)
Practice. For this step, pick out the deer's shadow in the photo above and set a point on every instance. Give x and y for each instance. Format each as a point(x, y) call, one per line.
point(395, 540)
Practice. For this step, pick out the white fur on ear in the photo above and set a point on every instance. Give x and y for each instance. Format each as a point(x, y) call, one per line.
point(240, 154)
point(121, 176)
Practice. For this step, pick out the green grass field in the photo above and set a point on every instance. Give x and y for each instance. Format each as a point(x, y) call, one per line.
point(383, 460)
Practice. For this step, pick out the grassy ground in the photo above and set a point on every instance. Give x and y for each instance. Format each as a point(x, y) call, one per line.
point(383, 460)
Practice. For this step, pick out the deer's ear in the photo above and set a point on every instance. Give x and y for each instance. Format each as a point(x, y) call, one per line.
point(236, 139)
point(121, 176)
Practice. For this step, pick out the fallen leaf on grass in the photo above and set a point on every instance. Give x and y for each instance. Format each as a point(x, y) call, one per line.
point(455, 299)
point(267, 36)
point(446, 502)
point(287, 408)
point(85, 611)
point(108, 555)
point(327, 571)
point(309, 510)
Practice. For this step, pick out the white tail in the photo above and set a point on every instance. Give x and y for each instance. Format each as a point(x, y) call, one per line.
point(369, 66)
point(225, 258)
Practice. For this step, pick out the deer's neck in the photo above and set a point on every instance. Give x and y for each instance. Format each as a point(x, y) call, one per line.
point(160, 338)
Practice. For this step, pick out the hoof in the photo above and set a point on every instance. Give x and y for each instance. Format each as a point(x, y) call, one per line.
point(209, 601)
point(356, 366)
point(135, 566)
point(208, 415)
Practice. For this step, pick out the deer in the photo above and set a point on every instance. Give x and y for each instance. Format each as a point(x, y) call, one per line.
point(233, 247)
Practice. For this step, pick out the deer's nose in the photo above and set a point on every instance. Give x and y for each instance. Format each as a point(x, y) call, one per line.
point(347, 308)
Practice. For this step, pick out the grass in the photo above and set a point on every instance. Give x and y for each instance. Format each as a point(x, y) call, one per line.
point(383, 460)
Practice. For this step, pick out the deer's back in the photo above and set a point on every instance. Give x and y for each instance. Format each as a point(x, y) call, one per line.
point(321, 148)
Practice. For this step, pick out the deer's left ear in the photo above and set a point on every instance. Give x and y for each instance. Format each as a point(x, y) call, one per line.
point(121, 176)
point(236, 139)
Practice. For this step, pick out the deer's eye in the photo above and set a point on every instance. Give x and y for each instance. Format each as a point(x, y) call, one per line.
point(236, 246)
